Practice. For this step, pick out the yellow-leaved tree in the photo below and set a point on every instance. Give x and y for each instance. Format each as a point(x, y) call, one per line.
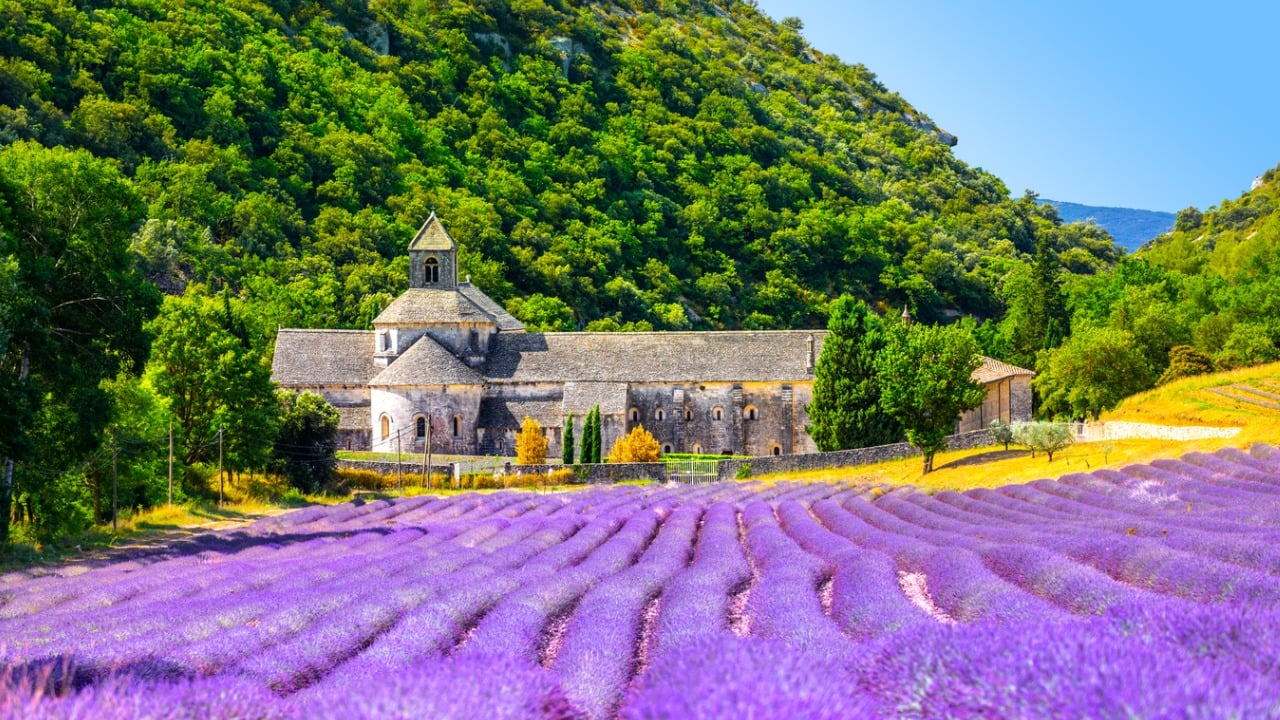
point(531, 444)
point(638, 446)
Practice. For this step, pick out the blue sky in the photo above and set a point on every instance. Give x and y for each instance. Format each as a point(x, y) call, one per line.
point(1153, 105)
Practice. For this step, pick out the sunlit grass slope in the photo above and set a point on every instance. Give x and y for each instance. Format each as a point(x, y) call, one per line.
point(1248, 399)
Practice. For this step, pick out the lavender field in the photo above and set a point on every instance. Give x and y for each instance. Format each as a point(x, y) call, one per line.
point(1153, 592)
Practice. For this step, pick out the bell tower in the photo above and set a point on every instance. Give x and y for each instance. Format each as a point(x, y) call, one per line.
point(433, 257)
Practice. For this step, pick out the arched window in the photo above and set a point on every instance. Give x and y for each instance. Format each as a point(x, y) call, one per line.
point(777, 449)
point(634, 415)
point(431, 269)
point(386, 427)
point(666, 449)
point(697, 449)
point(717, 413)
point(659, 415)
point(688, 414)
point(420, 427)
point(750, 413)
point(457, 425)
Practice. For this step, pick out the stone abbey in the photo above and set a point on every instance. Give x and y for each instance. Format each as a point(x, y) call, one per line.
point(446, 362)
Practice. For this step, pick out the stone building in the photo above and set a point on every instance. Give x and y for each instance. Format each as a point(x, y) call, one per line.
point(445, 361)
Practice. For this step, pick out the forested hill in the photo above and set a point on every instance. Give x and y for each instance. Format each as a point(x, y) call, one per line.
point(1130, 228)
point(641, 163)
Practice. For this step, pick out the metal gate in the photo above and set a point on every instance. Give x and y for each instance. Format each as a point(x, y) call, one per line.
point(692, 472)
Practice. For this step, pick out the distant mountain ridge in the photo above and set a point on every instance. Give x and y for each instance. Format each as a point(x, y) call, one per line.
point(1130, 228)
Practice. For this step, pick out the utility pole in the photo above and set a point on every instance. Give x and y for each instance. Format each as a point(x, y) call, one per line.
point(399, 470)
point(426, 452)
point(115, 484)
point(170, 464)
point(220, 480)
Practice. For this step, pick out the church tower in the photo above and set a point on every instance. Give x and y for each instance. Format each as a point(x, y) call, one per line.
point(433, 258)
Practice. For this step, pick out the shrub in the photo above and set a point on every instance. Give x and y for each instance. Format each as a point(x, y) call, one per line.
point(531, 443)
point(638, 446)
point(350, 479)
point(1043, 437)
point(1001, 433)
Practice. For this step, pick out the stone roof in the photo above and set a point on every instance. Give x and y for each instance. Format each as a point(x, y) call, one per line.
point(580, 397)
point(506, 321)
point(427, 363)
point(744, 356)
point(992, 370)
point(323, 357)
point(498, 412)
point(430, 306)
point(432, 236)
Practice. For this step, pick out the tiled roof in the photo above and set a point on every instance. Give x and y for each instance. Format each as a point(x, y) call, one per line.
point(432, 236)
point(992, 370)
point(422, 305)
point(780, 355)
point(427, 363)
point(506, 321)
point(323, 357)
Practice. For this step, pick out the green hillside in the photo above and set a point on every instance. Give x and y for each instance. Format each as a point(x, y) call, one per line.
point(1203, 297)
point(642, 163)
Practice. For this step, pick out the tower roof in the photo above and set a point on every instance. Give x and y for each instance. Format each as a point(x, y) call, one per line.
point(432, 236)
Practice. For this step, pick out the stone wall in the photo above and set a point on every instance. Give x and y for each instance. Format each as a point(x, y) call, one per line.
point(731, 469)
point(1116, 430)
point(589, 474)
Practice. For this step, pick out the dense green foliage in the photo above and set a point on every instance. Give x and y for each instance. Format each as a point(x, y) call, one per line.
point(926, 382)
point(649, 164)
point(1206, 296)
point(845, 412)
point(71, 314)
point(307, 443)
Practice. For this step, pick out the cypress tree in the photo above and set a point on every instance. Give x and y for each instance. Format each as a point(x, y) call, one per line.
point(845, 412)
point(566, 441)
point(591, 437)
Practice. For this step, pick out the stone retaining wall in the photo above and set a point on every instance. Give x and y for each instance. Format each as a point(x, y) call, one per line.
point(1117, 430)
point(730, 469)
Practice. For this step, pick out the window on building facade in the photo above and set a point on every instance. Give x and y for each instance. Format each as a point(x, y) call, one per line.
point(386, 427)
point(457, 425)
point(688, 414)
point(431, 269)
point(666, 449)
point(420, 427)
point(777, 449)
point(697, 449)
point(717, 413)
point(634, 415)
point(659, 414)
point(750, 412)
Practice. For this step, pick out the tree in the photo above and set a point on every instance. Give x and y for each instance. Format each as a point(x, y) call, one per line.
point(1091, 372)
point(591, 440)
point(1045, 437)
point(845, 412)
point(531, 443)
point(307, 443)
point(1045, 321)
point(1185, 361)
point(1001, 432)
point(72, 307)
point(926, 382)
point(638, 446)
point(203, 363)
point(566, 441)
